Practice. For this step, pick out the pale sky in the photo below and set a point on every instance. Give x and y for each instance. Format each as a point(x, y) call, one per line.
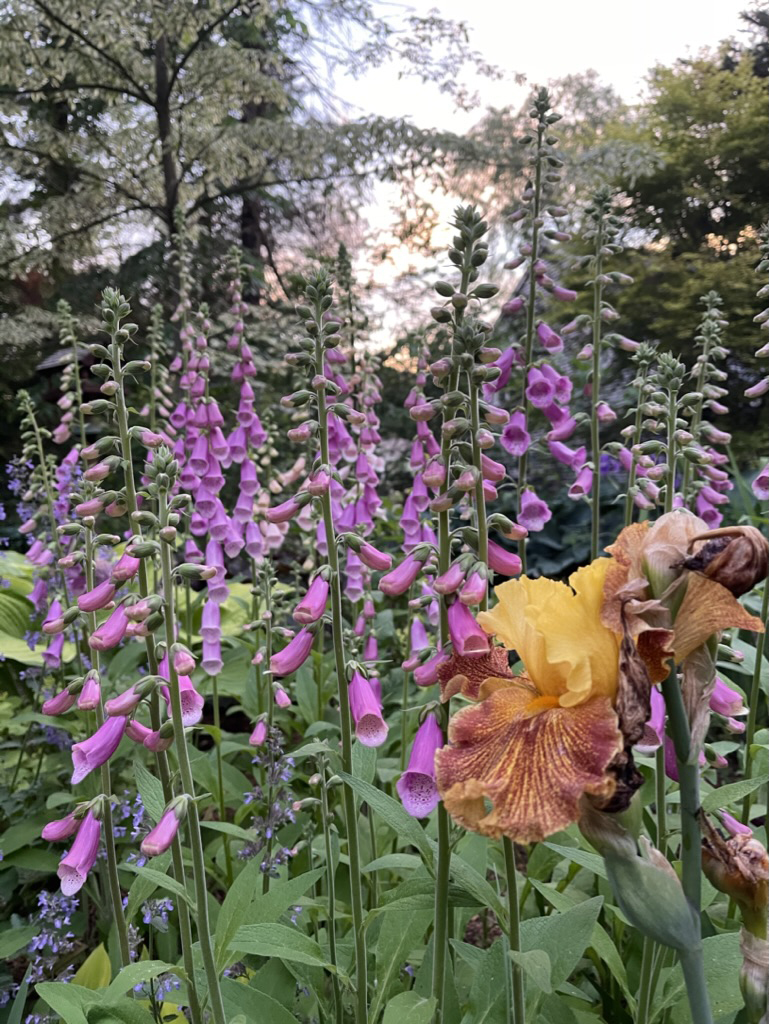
point(546, 39)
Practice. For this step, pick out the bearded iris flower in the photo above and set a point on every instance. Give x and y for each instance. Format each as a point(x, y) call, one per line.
point(520, 760)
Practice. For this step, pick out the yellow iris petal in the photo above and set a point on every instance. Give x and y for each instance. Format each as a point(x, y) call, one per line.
point(558, 634)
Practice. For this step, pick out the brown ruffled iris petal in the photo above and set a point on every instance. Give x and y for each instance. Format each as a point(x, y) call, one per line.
point(708, 608)
point(464, 675)
point(516, 771)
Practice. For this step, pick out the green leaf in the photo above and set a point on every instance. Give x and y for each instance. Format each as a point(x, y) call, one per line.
point(244, 998)
point(16, 649)
point(234, 911)
point(399, 934)
point(136, 974)
point(466, 876)
point(127, 1011)
point(394, 862)
point(488, 993)
point(564, 937)
point(393, 813)
point(66, 999)
point(591, 861)
point(267, 907)
point(364, 762)
point(725, 796)
point(150, 790)
point(653, 901)
point(722, 960)
point(20, 1002)
point(409, 1008)
point(162, 882)
point(14, 939)
point(281, 941)
point(536, 965)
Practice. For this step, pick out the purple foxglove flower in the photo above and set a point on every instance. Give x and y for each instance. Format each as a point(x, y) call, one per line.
point(416, 787)
point(474, 590)
point(451, 580)
point(39, 594)
point(713, 496)
point(74, 866)
point(211, 662)
point(254, 541)
point(52, 653)
point(125, 568)
point(192, 702)
point(708, 512)
point(561, 384)
point(99, 597)
point(573, 458)
point(540, 391)
point(502, 561)
point(515, 439)
point(654, 729)
point(110, 633)
point(734, 726)
point(605, 413)
point(409, 520)
point(564, 426)
point(467, 637)
point(238, 445)
point(427, 673)
point(136, 731)
point(319, 483)
point(757, 390)
point(419, 493)
point(259, 735)
point(492, 470)
point(582, 485)
point(293, 655)
point(534, 512)
point(726, 701)
point(549, 340)
point(184, 663)
point(505, 363)
point(564, 294)
point(512, 306)
point(419, 640)
point(93, 752)
point(53, 618)
point(371, 649)
point(284, 512)
point(61, 828)
point(92, 507)
point(496, 417)
point(89, 697)
point(163, 834)
point(760, 485)
point(374, 558)
point(734, 827)
point(370, 728)
point(434, 474)
point(399, 579)
point(282, 699)
point(249, 481)
point(156, 741)
point(313, 604)
point(57, 705)
point(210, 628)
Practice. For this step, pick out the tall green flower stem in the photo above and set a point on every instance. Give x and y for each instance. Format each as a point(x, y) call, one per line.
point(321, 301)
point(116, 302)
point(182, 753)
point(220, 777)
point(68, 336)
point(330, 890)
point(116, 898)
point(642, 359)
point(691, 857)
point(514, 926)
point(265, 582)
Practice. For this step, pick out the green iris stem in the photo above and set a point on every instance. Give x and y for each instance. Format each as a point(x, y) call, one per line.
point(116, 898)
point(185, 770)
point(595, 426)
point(691, 856)
point(518, 1015)
point(161, 757)
point(645, 991)
point(523, 460)
point(350, 809)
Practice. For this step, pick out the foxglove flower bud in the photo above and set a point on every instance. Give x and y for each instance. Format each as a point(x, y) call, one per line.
point(57, 705)
point(259, 735)
point(99, 597)
point(94, 751)
point(163, 834)
point(313, 604)
point(374, 558)
point(125, 568)
point(502, 561)
point(399, 579)
point(62, 828)
point(293, 655)
point(89, 697)
point(110, 633)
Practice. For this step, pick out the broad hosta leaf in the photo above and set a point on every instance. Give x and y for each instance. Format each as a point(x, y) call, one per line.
point(409, 1008)
point(96, 971)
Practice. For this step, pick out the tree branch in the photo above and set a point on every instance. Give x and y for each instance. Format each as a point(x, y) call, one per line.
point(203, 34)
